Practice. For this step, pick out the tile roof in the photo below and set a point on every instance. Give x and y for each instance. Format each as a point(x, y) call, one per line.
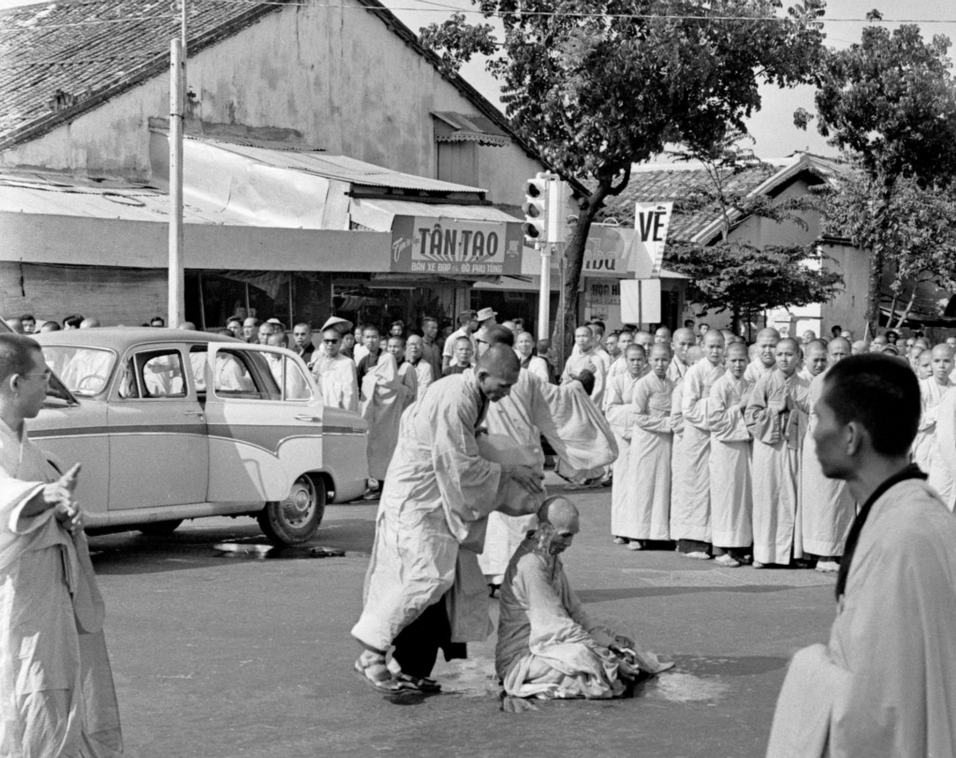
point(61, 59)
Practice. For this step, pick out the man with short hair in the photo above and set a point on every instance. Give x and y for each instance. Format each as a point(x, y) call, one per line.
point(776, 418)
point(815, 359)
point(334, 373)
point(836, 331)
point(397, 329)
point(56, 687)
point(548, 647)
point(302, 337)
point(885, 684)
point(684, 340)
point(439, 490)
point(467, 325)
point(234, 325)
point(431, 350)
point(372, 343)
point(423, 369)
point(463, 355)
point(826, 506)
point(266, 330)
point(72, 322)
point(250, 330)
point(662, 336)
point(29, 323)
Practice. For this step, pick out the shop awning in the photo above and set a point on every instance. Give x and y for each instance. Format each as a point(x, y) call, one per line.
point(461, 127)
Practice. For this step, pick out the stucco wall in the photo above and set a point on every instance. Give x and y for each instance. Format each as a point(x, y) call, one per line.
point(337, 75)
point(848, 307)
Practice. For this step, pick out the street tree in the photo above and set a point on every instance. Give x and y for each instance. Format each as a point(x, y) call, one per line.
point(918, 237)
point(890, 101)
point(601, 85)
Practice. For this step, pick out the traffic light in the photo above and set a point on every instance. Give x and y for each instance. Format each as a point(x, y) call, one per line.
point(535, 207)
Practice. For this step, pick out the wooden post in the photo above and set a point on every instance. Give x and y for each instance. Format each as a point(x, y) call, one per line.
point(176, 312)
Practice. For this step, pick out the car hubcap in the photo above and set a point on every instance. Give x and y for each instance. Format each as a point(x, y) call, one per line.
point(298, 507)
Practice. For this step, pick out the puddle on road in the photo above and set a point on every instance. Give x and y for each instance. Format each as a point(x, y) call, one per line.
point(255, 548)
point(473, 677)
point(678, 687)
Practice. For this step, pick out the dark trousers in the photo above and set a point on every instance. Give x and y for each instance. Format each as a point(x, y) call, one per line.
point(417, 645)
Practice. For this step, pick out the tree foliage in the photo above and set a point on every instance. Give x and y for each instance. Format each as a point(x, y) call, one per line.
point(598, 85)
point(919, 237)
point(890, 101)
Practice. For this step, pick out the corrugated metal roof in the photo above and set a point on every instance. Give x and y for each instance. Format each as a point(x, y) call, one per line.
point(339, 167)
point(461, 127)
point(455, 212)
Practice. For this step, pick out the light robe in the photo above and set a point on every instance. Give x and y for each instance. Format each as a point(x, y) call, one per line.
point(926, 450)
point(690, 516)
point(885, 685)
point(775, 469)
point(387, 392)
point(755, 369)
point(56, 687)
point(645, 514)
point(942, 477)
point(438, 487)
point(731, 503)
point(577, 432)
point(548, 647)
point(620, 389)
point(826, 505)
point(678, 467)
point(337, 380)
point(539, 367)
point(593, 362)
point(676, 370)
point(424, 375)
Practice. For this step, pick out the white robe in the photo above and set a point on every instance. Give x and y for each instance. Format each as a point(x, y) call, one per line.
point(438, 488)
point(678, 467)
point(424, 375)
point(731, 503)
point(931, 392)
point(645, 514)
point(676, 370)
point(755, 369)
point(336, 378)
point(776, 464)
point(826, 505)
point(387, 392)
point(577, 432)
point(942, 475)
point(620, 391)
point(56, 687)
point(885, 685)
point(690, 516)
point(593, 362)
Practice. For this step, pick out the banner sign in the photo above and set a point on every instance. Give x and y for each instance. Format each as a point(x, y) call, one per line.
point(426, 245)
point(641, 301)
point(607, 251)
point(651, 221)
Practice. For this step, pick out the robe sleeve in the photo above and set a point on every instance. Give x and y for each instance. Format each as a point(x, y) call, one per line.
point(410, 384)
point(539, 368)
point(350, 395)
point(426, 380)
point(469, 484)
point(725, 417)
point(694, 402)
point(617, 410)
point(576, 429)
point(642, 416)
point(762, 420)
point(930, 413)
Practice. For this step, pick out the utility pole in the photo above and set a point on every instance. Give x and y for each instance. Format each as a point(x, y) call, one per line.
point(177, 97)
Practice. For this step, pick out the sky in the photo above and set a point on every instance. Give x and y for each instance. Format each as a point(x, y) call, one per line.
point(772, 127)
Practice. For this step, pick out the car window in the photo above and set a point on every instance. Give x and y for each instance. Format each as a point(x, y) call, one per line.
point(244, 374)
point(197, 361)
point(289, 376)
point(83, 370)
point(153, 374)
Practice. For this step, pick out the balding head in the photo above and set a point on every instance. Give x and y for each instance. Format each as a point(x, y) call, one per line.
point(499, 334)
point(497, 371)
point(816, 357)
point(838, 349)
point(89, 323)
point(559, 522)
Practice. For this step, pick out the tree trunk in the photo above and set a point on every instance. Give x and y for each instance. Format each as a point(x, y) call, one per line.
point(567, 317)
point(909, 306)
point(878, 256)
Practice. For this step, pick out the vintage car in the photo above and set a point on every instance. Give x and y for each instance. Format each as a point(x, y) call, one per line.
point(172, 424)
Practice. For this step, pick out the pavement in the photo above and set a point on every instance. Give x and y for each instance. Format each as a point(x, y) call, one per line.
point(237, 655)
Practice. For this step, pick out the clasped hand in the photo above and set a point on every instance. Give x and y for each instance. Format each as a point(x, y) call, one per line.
point(60, 495)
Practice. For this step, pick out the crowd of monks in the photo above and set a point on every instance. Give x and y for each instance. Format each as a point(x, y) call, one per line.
point(717, 451)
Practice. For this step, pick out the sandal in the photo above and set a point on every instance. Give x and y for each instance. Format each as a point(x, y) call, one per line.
point(423, 685)
point(376, 674)
point(727, 560)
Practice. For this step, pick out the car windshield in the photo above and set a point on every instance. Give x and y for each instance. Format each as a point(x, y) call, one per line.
point(83, 370)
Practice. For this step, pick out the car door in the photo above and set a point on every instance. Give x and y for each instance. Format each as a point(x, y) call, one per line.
point(264, 416)
point(159, 454)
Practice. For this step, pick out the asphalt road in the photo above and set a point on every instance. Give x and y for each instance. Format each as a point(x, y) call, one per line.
point(243, 656)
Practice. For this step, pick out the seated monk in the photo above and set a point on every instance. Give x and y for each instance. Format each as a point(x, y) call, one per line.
point(547, 646)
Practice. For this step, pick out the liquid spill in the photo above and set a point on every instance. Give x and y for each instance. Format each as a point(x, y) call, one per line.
point(474, 677)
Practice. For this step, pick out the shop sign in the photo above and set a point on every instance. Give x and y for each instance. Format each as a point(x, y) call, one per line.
point(607, 250)
point(425, 245)
point(603, 292)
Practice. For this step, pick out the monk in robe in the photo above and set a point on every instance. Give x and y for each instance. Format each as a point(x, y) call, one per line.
point(690, 516)
point(406, 371)
point(619, 365)
point(566, 417)
point(335, 373)
point(885, 684)
point(56, 687)
point(424, 373)
point(439, 488)
point(765, 349)
point(620, 392)
point(548, 647)
point(585, 357)
point(925, 450)
point(645, 516)
point(826, 505)
point(815, 359)
point(386, 393)
point(776, 416)
point(684, 340)
point(731, 502)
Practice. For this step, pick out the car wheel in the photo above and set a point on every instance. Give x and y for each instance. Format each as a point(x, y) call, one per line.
point(159, 528)
point(295, 519)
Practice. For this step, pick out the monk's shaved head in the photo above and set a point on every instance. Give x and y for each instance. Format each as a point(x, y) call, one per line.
point(792, 343)
point(815, 346)
point(499, 360)
point(636, 349)
point(559, 512)
point(499, 334)
point(768, 333)
point(738, 347)
point(713, 336)
point(683, 334)
point(839, 346)
point(942, 350)
point(661, 349)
